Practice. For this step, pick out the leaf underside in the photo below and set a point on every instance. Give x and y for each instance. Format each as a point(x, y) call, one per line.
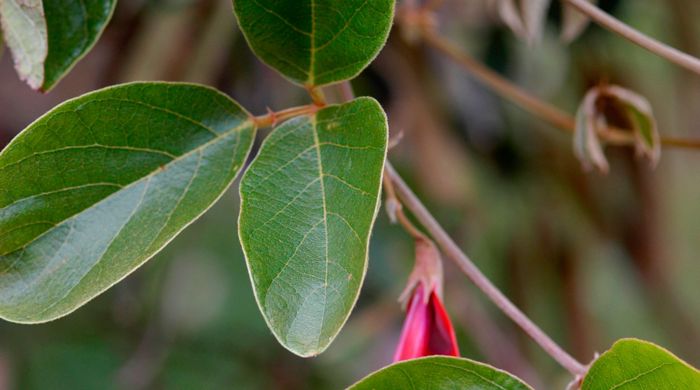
point(101, 183)
point(48, 38)
point(308, 203)
point(440, 372)
point(314, 42)
point(636, 364)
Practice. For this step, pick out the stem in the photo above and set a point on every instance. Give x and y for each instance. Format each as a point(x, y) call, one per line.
point(272, 118)
point(346, 92)
point(499, 84)
point(394, 185)
point(395, 210)
point(452, 251)
point(316, 95)
point(531, 103)
point(672, 54)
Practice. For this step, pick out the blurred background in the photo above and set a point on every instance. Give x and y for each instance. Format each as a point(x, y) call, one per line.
point(590, 258)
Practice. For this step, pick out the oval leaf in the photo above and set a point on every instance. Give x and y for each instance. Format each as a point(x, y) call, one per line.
point(97, 186)
point(440, 372)
point(314, 42)
point(637, 364)
point(48, 38)
point(308, 203)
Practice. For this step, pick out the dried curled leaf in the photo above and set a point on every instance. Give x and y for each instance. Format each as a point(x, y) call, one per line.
point(641, 118)
point(587, 147)
point(591, 121)
point(526, 18)
point(573, 22)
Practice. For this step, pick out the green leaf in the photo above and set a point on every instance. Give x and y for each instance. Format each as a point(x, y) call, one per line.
point(308, 203)
point(48, 38)
point(101, 183)
point(314, 42)
point(440, 372)
point(636, 364)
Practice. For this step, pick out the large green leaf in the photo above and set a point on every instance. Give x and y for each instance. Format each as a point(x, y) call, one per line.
point(308, 203)
point(97, 186)
point(636, 364)
point(440, 372)
point(47, 38)
point(316, 42)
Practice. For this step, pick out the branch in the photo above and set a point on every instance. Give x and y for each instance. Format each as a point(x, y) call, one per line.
point(272, 118)
point(394, 209)
point(452, 251)
point(672, 54)
point(395, 188)
point(529, 102)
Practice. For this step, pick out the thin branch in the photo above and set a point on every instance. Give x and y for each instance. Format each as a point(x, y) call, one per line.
point(272, 118)
point(453, 252)
point(531, 103)
point(395, 210)
point(500, 85)
point(396, 188)
point(346, 92)
point(316, 95)
point(661, 49)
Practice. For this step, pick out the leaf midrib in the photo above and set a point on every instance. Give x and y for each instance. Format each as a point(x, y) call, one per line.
point(642, 374)
point(317, 143)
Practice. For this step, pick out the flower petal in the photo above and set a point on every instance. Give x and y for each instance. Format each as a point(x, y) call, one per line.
point(415, 328)
point(442, 339)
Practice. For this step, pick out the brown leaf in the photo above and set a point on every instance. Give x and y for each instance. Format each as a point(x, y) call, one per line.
point(573, 22)
point(591, 122)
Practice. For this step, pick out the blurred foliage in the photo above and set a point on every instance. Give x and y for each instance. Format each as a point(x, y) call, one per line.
point(590, 258)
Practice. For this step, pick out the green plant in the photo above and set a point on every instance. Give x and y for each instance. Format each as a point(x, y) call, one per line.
point(98, 185)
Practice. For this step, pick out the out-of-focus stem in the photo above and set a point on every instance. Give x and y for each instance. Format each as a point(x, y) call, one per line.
point(529, 102)
point(661, 49)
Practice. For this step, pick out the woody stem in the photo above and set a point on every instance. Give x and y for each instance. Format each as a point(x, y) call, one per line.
point(453, 252)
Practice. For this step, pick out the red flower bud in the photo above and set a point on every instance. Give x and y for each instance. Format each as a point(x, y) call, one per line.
point(427, 329)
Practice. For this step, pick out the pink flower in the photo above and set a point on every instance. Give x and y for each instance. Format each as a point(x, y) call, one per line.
point(427, 329)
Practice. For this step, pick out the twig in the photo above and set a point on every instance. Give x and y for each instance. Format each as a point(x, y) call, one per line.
point(394, 185)
point(452, 251)
point(395, 210)
point(346, 92)
point(316, 95)
point(530, 103)
point(272, 118)
point(499, 84)
point(672, 54)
